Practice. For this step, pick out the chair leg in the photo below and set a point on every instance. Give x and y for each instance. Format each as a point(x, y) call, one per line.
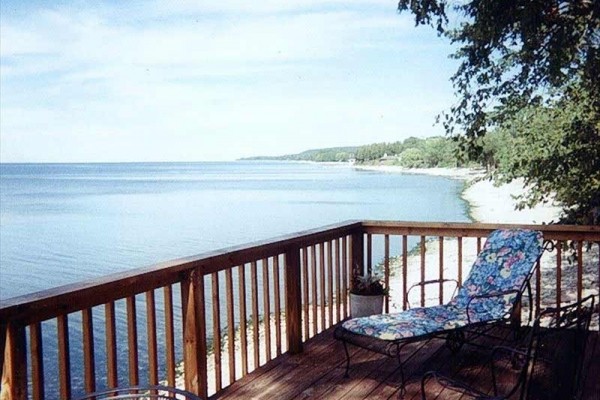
point(402, 378)
point(347, 374)
point(455, 340)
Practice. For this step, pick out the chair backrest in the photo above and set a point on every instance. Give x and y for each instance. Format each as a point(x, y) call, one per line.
point(505, 263)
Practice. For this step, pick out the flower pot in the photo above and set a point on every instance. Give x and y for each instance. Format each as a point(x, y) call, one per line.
point(362, 306)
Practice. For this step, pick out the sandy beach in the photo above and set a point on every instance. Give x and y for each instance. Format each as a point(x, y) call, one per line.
point(488, 204)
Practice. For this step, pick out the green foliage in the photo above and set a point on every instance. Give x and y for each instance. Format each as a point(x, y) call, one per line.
point(531, 71)
point(368, 285)
point(414, 152)
point(440, 152)
point(333, 154)
point(376, 151)
point(412, 158)
point(557, 150)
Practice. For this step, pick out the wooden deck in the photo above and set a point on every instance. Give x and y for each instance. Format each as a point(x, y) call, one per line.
point(318, 373)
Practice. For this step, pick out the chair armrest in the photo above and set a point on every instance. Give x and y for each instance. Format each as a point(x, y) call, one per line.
point(488, 296)
point(429, 282)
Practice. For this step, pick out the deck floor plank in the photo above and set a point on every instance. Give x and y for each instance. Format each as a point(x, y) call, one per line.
point(318, 373)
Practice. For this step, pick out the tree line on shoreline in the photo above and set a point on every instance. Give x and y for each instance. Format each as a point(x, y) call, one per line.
point(411, 153)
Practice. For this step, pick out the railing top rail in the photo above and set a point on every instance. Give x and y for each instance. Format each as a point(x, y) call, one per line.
point(77, 296)
point(49, 303)
point(552, 232)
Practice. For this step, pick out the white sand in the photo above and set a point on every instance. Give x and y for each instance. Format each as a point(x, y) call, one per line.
point(489, 203)
point(496, 204)
point(456, 173)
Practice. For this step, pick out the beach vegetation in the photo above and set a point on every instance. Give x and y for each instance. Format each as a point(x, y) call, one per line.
point(530, 73)
point(368, 285)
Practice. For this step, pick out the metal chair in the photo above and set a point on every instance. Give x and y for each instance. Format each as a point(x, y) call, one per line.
point(156, 392)
point(490, 295)
point(540, 348)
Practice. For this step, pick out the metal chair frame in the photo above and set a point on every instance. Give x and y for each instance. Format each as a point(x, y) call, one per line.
point(455, 338)
point(576, 316)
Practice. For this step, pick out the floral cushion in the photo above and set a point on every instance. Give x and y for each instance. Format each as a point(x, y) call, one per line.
point(504, 264)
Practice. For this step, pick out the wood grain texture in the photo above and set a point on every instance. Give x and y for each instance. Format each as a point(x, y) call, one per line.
point(266, 308)
point(305, 300)
point(132, 342)
point(579, 269)
point(243, 318)
point(230, 324)
point(277, 301)
point(255, 316)
point(314, 289)
point(337, 277)
point(404, 271)
point(558, 248)
point(37, 361)
point(151, 336)
point(330, 283)
point(64, 358)
point(460, 260)
point(14, 370)
point(345, 275)
point(441, 269)
point(293, 300)
point(169, 335)
point(194, 334)
point(89, 362)
point(111, 346)
point(323, 292)
point(386, 270)
point(422, 252)
point(216, 314)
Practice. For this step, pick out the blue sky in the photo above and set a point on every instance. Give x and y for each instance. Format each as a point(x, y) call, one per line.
point(201, 81)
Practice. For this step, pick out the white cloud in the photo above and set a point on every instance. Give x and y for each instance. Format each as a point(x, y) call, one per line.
point(143, 83)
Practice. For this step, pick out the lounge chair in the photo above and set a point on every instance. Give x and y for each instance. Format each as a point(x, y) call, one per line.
point(554, 350)
point(491, 294)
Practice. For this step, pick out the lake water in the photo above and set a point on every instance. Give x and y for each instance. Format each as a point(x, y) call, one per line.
point(61, 223)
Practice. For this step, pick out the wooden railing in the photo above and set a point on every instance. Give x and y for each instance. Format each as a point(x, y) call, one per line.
point(204, 322)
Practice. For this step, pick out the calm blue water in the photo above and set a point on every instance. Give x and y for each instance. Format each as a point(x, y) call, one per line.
point(61, 223)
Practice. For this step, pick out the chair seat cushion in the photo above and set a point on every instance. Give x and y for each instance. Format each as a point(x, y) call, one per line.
point(420, 321)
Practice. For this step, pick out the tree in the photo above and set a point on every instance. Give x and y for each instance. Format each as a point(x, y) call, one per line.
point(557, 150)
point(439, 152)
point(533, 55)
point(412, 158)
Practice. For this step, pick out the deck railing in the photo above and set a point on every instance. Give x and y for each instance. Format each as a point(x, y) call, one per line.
point(204, 322)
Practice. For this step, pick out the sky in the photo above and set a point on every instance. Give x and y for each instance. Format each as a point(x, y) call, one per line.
point(112, 81)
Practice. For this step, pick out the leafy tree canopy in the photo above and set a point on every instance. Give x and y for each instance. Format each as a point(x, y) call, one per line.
point(527, 67)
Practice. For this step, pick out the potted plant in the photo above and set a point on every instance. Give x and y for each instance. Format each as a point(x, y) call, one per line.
point(366, 294)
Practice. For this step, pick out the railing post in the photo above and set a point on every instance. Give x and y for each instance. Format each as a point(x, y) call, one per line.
point(14, 368)
point(194, 333)
point(293, 304)
point(358, 253)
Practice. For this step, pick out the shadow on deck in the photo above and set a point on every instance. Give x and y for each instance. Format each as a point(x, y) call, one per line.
point(318, 373)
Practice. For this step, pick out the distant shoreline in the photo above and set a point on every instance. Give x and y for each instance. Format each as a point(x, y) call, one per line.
point(487, 203)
